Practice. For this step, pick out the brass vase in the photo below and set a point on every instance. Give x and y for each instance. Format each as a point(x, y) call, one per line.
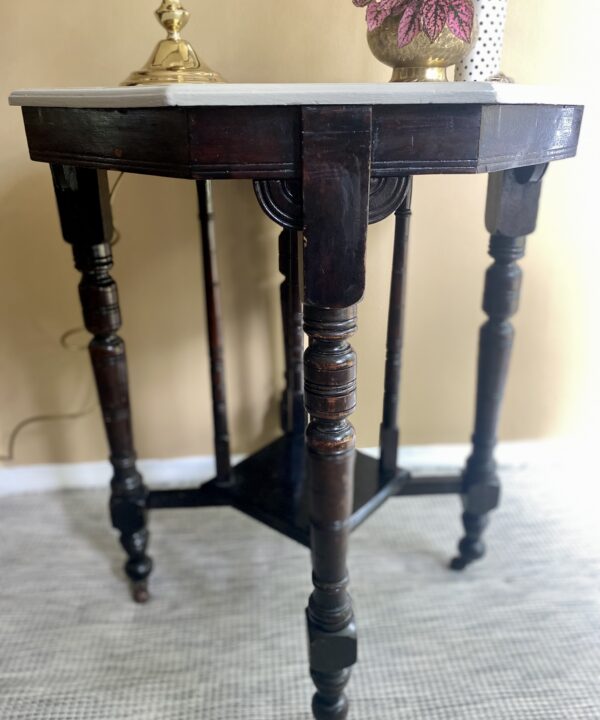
point(422, 59)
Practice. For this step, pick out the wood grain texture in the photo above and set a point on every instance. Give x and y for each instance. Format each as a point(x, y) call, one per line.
point(111, 139)
point(266, 142)
point(512, 207)
point(389, 434)
point(214, 325)
point(84, 208)
point(526, 135)
point(336, 153)
point(293, 415)
point(244, 142)
point(281, 200)
point(330, 395)
point(328, 170)
point(271, 486)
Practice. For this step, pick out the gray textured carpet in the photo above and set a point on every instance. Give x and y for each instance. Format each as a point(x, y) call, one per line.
point(518, 636)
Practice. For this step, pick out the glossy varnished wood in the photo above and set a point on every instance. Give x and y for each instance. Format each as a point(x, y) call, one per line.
point(265, 142)
point(336, 152)
point(248, 142)
point(282, 199)
point(293, 415)
point(511, 214)
point(271, 486)
point(84, 208)
point(214, 327)
point(330, 396)
point(389, 433)
point(327, 171)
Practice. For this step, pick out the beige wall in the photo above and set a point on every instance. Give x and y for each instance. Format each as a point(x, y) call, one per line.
point(553, 389)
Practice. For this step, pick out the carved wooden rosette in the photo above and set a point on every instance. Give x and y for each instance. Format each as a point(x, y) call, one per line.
point(281, 200)
point(512, 207)
point(84, 208)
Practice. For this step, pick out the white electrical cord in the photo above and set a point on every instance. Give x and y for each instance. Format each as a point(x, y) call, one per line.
point(63, 340)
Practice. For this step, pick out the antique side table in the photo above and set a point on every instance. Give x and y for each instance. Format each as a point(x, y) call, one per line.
point(326, 161)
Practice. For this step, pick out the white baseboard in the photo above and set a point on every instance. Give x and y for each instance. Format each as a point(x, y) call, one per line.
point(189, 471)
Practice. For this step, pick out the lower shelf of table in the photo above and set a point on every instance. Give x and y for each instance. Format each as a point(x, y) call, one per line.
point(270, 487)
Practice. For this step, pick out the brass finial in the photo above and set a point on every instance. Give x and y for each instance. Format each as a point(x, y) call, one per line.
point(174, 60)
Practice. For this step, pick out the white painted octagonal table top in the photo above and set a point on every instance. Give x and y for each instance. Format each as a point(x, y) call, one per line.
point(229, 94)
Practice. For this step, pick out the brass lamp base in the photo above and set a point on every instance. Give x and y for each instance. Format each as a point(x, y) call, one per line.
point(174, 60)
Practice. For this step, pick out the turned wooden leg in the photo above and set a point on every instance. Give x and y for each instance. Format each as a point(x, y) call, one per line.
point(336, 160)
point(330, 372)
point(293, 416)
point(389, 433)
point(513, 200)
point(214, 326)
point(84, 208)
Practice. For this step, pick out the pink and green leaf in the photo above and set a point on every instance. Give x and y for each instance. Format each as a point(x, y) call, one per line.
point(410, 23)
point(460, 18)
point(435, 13)
point(379, 11)
point(399, 6)
point(429, 16)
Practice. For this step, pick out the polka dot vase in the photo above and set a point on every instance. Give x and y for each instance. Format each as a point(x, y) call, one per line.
point(483, 62)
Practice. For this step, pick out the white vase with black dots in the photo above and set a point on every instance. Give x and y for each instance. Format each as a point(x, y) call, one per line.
point(483, 62)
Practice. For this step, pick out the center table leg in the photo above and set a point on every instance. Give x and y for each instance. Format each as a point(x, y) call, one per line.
point(84, 207)
point(330, 391)
point(336, 159)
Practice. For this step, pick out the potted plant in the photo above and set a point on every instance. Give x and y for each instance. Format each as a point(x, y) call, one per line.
point(420, 39)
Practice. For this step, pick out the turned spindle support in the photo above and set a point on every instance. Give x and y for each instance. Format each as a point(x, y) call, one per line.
point(389, 434)
point(214, 326)
point(293, 415)
point(511, 214)
point(84, 207)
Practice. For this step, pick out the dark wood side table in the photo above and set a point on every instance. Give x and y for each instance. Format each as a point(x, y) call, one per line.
point(326, 162)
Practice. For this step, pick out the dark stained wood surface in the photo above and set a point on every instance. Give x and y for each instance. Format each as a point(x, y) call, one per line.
point(270, 486)
point(521, 136)
point(244, 141)
point(293, 415)
point(84, 208)
point(389, 433)
point(281, 200)
point(265, 142)
point(214, 326)
point(511, 214)
point(336, 155)
point(330, 398)
point(327, 170)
